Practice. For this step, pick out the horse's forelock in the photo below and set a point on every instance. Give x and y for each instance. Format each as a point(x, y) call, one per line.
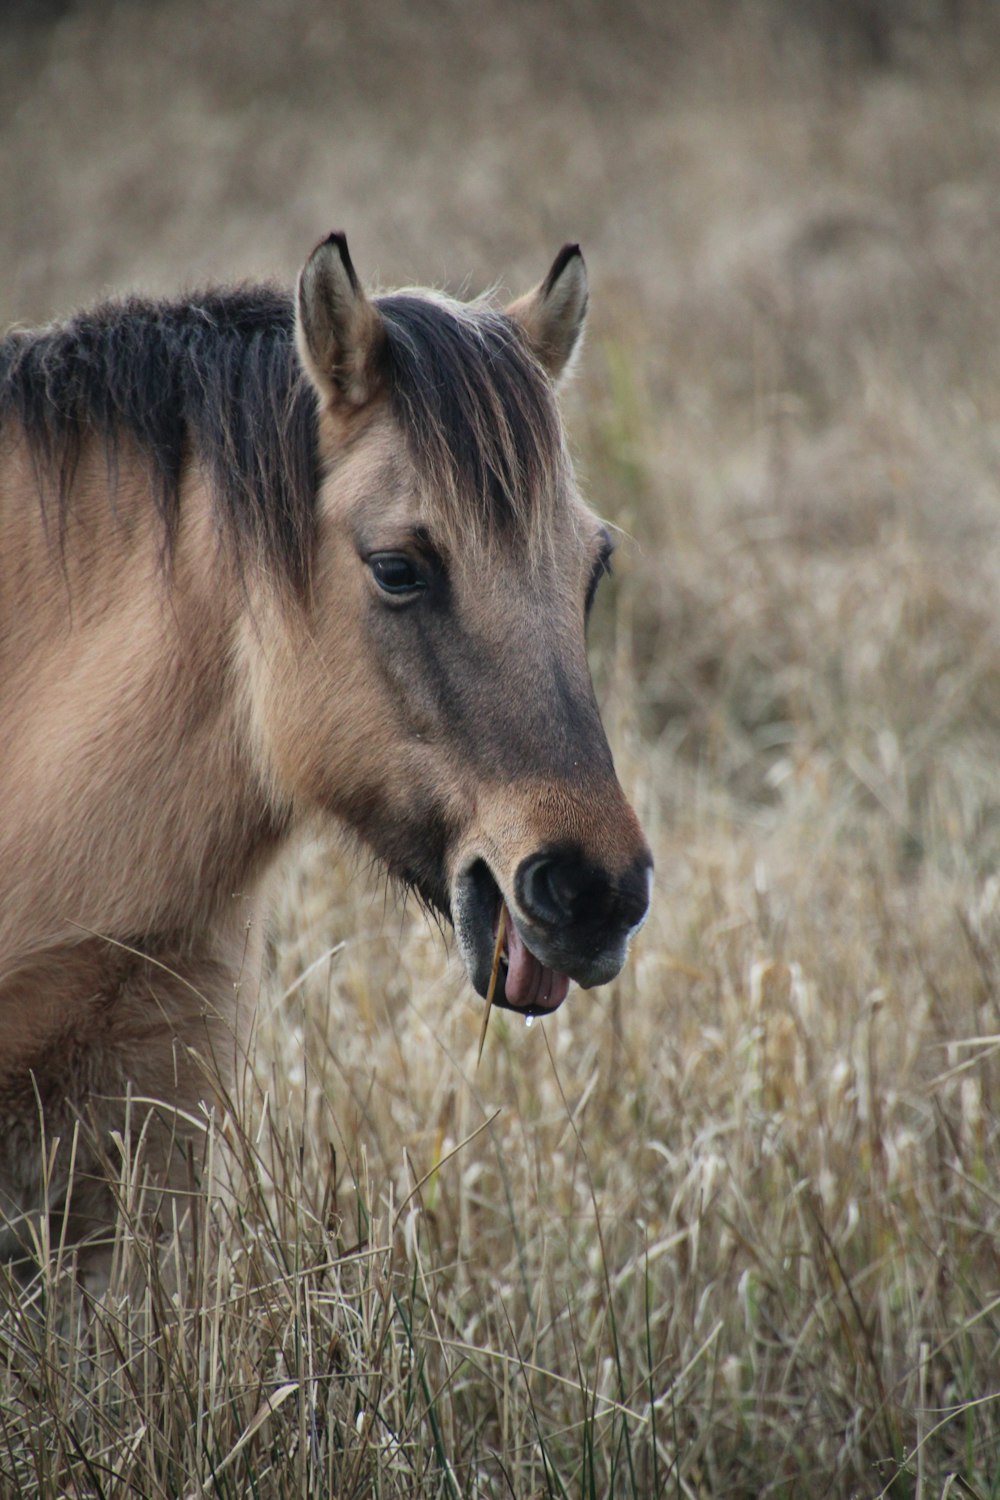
point(479, 417)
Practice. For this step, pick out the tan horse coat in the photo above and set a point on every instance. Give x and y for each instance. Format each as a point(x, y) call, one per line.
point(175, 698)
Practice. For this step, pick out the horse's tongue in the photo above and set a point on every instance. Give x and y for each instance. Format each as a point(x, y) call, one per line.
point(530, 983)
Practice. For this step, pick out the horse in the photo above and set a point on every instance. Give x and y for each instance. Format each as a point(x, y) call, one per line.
point(268, 558)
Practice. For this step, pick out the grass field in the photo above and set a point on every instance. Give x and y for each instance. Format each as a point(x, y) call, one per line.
point(731, 1226)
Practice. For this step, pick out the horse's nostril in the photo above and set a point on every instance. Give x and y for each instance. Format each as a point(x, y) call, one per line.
point(559, 889)
point(542, 890)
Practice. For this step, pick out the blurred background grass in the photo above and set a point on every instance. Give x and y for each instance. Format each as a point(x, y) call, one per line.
point(734, 1230)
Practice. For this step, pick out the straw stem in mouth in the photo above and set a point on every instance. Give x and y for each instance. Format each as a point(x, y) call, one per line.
point(497, 951)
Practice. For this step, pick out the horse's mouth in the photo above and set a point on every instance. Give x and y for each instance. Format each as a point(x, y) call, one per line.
point(527, 984)
point(524, 982)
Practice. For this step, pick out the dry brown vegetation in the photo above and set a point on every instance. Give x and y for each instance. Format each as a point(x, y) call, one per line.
point(730, 1227)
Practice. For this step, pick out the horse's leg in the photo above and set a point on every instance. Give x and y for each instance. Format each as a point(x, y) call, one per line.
point(157, 1042)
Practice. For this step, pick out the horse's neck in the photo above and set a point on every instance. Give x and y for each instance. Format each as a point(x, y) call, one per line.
point(129, 803)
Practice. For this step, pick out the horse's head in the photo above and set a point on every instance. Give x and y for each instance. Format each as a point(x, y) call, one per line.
point(440, 702)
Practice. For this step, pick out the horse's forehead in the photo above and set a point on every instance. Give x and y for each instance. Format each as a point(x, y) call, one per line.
point(374, 482)
point(370, 469)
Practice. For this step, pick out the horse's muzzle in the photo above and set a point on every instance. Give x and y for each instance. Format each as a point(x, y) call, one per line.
point(572, 919)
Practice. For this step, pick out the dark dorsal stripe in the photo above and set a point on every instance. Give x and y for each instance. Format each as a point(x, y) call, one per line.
point(216, 379)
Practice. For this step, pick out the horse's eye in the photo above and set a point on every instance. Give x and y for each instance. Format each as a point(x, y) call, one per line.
point(395, 573)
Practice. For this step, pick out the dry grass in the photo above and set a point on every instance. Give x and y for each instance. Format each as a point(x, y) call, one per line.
point(730, 1227)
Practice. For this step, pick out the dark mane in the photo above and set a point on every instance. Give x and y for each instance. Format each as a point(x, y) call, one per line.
point(215, 379)
point(212, 378)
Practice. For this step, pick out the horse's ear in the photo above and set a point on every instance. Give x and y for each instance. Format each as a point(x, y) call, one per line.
point(553, 314)
point(338, 331)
